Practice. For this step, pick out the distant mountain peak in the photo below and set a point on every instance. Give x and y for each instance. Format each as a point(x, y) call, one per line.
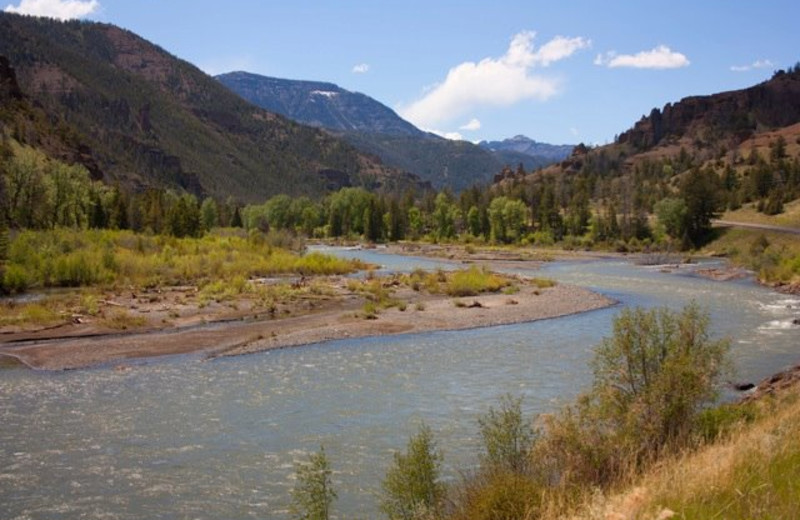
point(320, 104)
point(524, 145)
point(376, 129)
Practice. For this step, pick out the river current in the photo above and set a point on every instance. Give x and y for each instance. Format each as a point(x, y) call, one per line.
point(188, 438)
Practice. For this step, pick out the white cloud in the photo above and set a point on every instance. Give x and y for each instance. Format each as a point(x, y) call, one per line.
point(453, 136)
point(574, 131)
point(472, 125)
point(662, 57)
point(758, 64)
point(361, 68)
point(59, 9)
point(499, 81)
point(221, 65)
point(559, 48)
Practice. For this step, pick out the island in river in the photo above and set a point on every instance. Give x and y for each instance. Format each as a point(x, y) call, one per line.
point(171, 321)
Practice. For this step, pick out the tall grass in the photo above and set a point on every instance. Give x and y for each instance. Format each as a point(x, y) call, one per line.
point(775, 257)
point(473, 281)
point(752, 473)
point(75, 258)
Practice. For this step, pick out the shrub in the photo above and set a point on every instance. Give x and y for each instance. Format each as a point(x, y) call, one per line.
point(412, 486)
point(657, 371)
point(499, 496)
point(473, 281)
point(313, 492)
point(370, 310)
point(720, 421)
point(507, 437)
point(652, 379)
point(16, 279)
point(542, 283)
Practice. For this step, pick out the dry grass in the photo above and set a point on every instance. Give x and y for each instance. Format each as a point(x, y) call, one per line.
point(775, 257)
point(755, 473)
point(789, 218)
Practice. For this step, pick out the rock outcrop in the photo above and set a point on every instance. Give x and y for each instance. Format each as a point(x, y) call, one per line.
point(730, 115)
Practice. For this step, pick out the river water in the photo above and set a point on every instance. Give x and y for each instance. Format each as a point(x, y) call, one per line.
point(188, 438)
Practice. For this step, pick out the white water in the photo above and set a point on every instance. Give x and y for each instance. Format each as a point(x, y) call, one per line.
point(187, 438)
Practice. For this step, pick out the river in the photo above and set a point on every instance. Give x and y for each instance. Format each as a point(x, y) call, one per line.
point(188, 438)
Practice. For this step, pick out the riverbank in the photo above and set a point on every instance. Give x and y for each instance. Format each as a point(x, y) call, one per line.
point(176, 321)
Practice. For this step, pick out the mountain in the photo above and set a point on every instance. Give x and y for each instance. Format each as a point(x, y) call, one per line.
point(724, 118)
point(376, 129)
point(526, 146)
point(146, 118)
point(315, 103)
point(744, 144)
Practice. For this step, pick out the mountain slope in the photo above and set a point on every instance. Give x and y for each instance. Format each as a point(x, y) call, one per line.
point(376, 129)
point(150, 119)
point(717, 130)
point(318, 104)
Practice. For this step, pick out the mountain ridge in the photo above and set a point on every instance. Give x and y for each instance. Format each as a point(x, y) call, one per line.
point(148, 118)
point(527, 146)
point(342, 110)
point(376, 129)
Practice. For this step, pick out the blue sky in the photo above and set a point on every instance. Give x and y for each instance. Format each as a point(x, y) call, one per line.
point(558, 72)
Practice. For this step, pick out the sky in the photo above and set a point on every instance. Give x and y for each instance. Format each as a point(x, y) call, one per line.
point(558, 72)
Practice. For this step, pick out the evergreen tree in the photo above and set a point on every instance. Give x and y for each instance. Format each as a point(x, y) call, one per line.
point(700, 192)
point(236, 219)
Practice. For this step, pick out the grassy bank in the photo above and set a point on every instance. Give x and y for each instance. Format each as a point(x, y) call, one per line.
point(752, 473)
point(120, 279)
point(774, 257)
point(90, 258)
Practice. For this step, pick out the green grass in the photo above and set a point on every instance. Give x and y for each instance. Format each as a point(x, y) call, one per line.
point(44, 313)
point(86, 258)
point(474, 281)
point(774, 257)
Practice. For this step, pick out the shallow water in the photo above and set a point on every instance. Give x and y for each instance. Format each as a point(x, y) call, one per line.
point(187, 438)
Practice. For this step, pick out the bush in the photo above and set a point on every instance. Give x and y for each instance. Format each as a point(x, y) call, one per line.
point(313, 492)
point(720, 421)
point(652, 379)
point(657, 371)
point(412, 486)
point(507, 437)
point(499, 496)
point(16, 279)
point(474, 281)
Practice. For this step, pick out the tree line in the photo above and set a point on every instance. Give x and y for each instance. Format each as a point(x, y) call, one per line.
point(596, 205)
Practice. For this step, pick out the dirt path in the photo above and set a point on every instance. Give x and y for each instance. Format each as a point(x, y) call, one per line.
point(763, 227)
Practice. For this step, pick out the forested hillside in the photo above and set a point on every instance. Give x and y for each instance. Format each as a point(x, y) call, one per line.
point(135, 115)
